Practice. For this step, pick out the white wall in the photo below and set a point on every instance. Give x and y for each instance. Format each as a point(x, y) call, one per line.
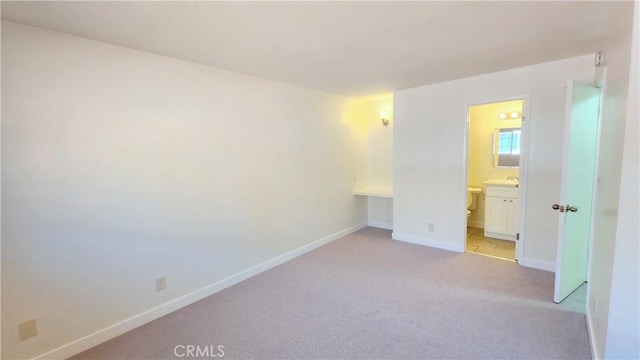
point(429, 150)
point(380, 142)
point(616, 47)
point(623, 330)
point(120, 166)
point(623, 324)
point(380, 212)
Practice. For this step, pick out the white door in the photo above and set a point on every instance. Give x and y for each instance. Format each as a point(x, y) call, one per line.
point(576, 195)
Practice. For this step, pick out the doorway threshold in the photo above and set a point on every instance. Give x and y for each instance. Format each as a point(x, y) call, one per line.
point(492, 256)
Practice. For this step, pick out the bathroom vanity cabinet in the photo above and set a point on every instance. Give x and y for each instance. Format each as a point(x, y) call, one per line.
point(501, 212)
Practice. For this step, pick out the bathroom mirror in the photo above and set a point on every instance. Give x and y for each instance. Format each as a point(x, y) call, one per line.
point(506, 147)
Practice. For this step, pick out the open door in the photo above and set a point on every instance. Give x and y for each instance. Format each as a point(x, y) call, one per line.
point(576, 194)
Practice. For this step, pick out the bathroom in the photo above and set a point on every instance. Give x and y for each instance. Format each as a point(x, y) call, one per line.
point(494, 144)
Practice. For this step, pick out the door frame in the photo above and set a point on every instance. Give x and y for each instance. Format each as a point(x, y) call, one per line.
point(600, 84)
point(522, 168)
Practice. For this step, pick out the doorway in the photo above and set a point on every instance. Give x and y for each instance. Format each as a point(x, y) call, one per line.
point(495, 154)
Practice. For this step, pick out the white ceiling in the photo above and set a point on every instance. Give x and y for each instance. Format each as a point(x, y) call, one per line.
point(349, 48)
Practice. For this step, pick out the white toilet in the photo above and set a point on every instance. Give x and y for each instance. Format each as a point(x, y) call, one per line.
point(472, 199)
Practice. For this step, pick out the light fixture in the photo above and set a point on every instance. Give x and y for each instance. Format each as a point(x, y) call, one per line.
point(510, 115)
point(383, 119)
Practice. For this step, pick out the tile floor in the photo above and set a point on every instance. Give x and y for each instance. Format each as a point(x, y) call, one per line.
point(478, 244)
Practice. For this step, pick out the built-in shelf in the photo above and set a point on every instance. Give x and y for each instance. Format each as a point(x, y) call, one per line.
point(381, 193)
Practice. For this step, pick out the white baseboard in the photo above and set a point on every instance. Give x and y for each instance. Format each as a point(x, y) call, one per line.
point(591, 333)
point(381, 224)
point(133, 322)
point(427, 242)
point(538, 264)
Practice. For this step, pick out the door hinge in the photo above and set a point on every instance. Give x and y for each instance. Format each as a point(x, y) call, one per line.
point(523, 118)
point(517, 236)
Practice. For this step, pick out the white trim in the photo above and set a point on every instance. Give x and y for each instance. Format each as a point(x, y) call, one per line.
point(596, 192)
point(427, 242)
point(497, 100)
point(381, 224)
point(140, 319)
point(592, 333)
point(537, 264)
point(523, 176)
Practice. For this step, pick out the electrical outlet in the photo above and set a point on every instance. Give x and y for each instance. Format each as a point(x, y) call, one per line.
point(27, 329)
point(161, 283)
point(431, 227)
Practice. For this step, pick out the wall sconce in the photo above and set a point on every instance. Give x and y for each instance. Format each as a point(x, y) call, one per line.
point(383, 119)
point(512, 115)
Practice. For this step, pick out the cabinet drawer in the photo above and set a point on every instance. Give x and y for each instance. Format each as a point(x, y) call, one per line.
point(508, 192)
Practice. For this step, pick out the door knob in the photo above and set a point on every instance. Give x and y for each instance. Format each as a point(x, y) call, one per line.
point(558, 207)
point(572, 208)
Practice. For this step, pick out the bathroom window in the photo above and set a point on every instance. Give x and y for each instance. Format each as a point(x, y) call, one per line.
point(507, 147)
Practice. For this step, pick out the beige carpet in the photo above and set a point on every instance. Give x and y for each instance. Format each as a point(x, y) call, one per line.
point(368, 297)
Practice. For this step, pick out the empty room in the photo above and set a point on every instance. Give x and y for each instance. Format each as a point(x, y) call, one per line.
point(320, 180)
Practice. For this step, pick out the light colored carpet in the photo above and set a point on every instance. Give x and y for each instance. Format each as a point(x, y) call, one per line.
point(366, 296)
